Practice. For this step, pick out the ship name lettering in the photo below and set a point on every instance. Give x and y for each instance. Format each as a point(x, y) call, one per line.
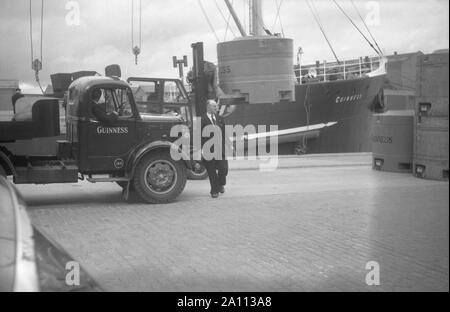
point(348, 98)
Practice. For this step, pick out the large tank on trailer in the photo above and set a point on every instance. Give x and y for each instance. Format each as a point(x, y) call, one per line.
point(259, 68)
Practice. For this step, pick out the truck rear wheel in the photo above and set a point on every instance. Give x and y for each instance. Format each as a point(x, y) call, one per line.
point(159, 179)
point(198, 172)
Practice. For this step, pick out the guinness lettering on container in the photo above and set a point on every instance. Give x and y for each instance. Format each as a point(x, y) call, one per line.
point(112, 130)
point(382, 139)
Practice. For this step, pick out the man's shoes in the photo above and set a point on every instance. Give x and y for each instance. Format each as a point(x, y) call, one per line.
point(215, 195)
point(222, 190)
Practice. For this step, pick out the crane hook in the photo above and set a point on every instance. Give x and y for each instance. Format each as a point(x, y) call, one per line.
point(136, 52)
point(36, 65)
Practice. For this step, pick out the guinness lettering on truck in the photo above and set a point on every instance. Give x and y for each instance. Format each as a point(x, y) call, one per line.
point(108, 130)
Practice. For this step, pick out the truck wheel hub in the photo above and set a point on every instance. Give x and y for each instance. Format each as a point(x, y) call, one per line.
point(160, 176)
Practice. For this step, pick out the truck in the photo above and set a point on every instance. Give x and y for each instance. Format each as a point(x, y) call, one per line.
point(134, 151)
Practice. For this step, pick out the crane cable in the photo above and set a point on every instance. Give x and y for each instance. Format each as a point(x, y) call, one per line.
point(353, 23)
point(278, 17)
point(318, 21)
point(367, 27)
point(36, 64)
point(246, 4)
point(207, 19)
point(136, 49)
point(228, 25)
point(307, 106)
point(223, 16)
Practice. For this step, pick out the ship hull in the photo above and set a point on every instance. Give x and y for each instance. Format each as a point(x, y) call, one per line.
point(349, 103)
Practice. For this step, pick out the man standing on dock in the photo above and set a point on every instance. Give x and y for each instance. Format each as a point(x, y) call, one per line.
point(217, 168)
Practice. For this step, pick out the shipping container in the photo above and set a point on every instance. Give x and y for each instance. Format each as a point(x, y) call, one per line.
point(392, 141)
point(431, 148)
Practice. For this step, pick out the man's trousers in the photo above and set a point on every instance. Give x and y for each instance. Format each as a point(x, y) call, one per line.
point(217, 173)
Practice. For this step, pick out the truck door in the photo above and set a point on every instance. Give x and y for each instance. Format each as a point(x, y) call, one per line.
point(108, 143)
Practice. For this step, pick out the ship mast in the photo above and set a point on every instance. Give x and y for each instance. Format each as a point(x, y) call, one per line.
point(256, 18)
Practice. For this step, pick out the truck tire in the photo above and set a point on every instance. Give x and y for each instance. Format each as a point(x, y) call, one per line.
point(198, 172)
point(159, 179)
point(2, 171)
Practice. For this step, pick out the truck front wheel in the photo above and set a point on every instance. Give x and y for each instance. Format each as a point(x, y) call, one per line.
point(159, 179)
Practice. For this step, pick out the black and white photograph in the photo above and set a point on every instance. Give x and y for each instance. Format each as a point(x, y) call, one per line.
point(224, 151)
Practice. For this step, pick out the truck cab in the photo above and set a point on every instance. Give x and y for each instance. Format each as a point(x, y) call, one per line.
point(132, 149)
point(104, 147)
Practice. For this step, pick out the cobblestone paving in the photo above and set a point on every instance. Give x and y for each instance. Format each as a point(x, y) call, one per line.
point(296, 229)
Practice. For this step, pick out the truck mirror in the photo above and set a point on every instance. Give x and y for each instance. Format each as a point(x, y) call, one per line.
point(113, 71)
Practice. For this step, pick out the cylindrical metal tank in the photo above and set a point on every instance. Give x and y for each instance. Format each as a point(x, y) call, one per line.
point(392, 141)
point(259, 68)
point(431, 148)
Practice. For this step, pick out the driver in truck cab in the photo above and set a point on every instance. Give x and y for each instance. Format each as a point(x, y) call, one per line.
point(99, 109)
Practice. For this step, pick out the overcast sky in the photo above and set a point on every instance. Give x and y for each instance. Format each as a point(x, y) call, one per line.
point(103, 34)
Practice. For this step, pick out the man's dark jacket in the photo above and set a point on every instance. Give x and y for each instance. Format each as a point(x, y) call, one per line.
point(205, 121)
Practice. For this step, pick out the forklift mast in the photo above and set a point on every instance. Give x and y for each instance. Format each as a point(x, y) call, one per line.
point(199, 83)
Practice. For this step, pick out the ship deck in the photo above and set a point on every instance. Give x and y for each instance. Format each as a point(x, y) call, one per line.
point(312, 225)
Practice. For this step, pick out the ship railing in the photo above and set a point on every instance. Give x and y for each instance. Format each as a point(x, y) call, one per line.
point(346, 69)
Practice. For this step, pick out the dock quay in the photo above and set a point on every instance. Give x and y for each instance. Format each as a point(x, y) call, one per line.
point(311, 225)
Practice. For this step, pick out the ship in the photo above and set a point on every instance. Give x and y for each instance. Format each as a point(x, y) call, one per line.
point(323, 108)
